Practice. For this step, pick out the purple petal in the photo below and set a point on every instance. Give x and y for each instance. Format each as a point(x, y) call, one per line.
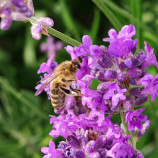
point(86, 40)
point(45, 150)
point(46, 22)
point(6, 23)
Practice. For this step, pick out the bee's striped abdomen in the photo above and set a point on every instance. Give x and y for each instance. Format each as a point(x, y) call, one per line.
point(57, 98)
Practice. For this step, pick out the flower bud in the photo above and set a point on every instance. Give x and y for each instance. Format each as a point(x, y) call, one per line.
point(105, 62)
point(46, 21)
point(144, 129)
point(142, 99)
point(86, 40)
point(134, 72)
point(95, 51)
point(135, 62)
point(133, 81)
point(141, 55)
point(121, 77)
point(110, 74)
point(40, 27)
point(101, 77)
point(122, 66)
point(135, 91)
point(73, 141)
point(22, 8)
point(128, 104)
point(70, 153)
point(80, 154)
point(100, 142)
point(90, 146)
point(5, 23)
point(94, 155)
point(102, 153)
point(36, 30)
point(128, 63)
point(63, 145)
point(139, 154)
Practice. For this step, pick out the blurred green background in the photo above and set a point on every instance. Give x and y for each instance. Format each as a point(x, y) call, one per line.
point(24, 118)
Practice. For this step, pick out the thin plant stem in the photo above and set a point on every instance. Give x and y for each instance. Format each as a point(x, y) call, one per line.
point(63, 37)
point(125, 128)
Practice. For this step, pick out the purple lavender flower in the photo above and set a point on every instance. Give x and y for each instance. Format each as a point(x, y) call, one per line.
point(46, 68)
point(50, 151)
point(89, 140)
point(122, 149)
point(18, 10)
point(135, 118)
point(76, 52)
point(40, 27)
point(121, 44)
point(115, 94)
point(145, 128)
point(36, 30)
point(50, 47)
point(84, 70)
point(150, 84)
point(22, 8)
point(72, 51)
point(150, 57)
point(5, 14)
point(110, 74)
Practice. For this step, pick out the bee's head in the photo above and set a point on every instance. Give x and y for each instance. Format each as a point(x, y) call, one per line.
point(76, 64)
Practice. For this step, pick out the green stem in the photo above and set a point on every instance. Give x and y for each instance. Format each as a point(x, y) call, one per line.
point(125, 128)
point(135, 139)
point(63, 37)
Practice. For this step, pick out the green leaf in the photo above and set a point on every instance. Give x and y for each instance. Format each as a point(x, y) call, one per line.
point(29, 50)
point(95, 83)
point(68, 20)
point(95, 25)
point(23, 98)
point(136, 11)
point(108, 13)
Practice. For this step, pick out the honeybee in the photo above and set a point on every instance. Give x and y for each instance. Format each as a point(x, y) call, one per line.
point(61, 82)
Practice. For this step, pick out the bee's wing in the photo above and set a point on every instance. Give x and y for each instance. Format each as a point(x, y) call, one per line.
point(47, 80)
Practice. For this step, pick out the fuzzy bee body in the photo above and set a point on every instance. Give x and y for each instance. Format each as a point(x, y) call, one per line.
point(61, 83)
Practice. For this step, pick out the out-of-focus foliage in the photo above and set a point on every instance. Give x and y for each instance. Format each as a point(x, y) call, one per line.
point(24, 118)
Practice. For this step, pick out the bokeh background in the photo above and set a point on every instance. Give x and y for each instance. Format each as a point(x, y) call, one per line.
point(24, 118)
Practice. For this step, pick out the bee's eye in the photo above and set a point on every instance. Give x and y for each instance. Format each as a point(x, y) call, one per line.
point(77, 66)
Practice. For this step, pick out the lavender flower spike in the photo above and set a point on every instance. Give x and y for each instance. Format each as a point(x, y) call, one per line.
point(51, 47)
point(123, 85)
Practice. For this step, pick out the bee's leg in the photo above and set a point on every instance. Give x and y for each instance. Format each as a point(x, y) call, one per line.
point(65, 90)
point(67, 80)
point(70, 91)
point(76, 92)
